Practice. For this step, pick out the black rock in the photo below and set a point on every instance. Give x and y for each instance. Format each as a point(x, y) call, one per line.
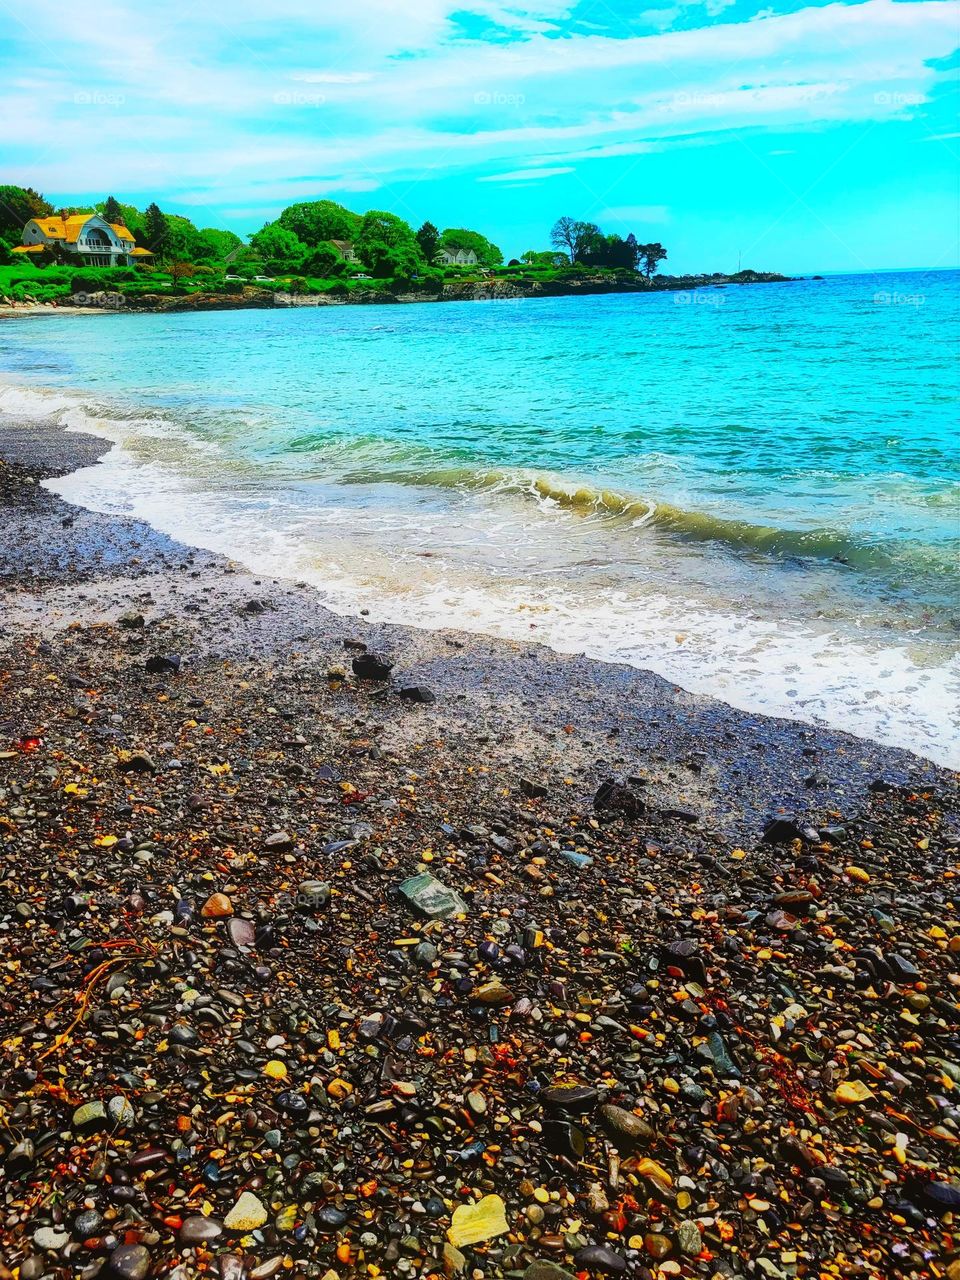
point(86, 1224)
point(532, 790)
point(130, 1262)
point(596, 1257)
point(369, 667)
point(903, 970)
point(197, 1229)
point(943, 1197)
point(417, 693)
point(578, 1099)
point(564, 1139)
point(330, 1218)
point(163, 664)
point(614, 797)
point(781, 831)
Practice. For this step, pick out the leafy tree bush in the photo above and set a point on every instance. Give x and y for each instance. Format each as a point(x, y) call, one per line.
point(456, 238)
point(17, 206)
point(155, 229)
point(314, 221)
point(275, 244)
point(428, 238)
point(85, 282)
point(217, 245)
point(324, 260)
point(386, 245)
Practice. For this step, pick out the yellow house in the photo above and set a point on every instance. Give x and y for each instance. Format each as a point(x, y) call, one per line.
point(86, 236)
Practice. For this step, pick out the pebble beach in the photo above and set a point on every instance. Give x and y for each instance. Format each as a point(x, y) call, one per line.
point(336, 950)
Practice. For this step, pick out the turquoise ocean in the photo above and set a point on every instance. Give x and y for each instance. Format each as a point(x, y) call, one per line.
point(753, 491)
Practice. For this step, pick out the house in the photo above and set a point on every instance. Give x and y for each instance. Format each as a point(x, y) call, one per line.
point(85, 237)
point(346, 250)
point(462, 258)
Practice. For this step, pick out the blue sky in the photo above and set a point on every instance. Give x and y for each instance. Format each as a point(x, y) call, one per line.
point(792, 137)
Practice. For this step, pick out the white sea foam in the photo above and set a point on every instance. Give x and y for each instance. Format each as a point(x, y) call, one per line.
point(893, 693)
point(753, 664)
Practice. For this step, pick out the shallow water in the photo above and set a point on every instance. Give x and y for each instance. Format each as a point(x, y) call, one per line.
point(754, 491)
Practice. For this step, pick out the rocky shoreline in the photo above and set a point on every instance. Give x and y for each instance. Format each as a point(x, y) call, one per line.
point(499, 290)
point(340, 950)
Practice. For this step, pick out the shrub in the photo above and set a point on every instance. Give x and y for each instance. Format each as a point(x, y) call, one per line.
point(233, 286)
point(84, 282)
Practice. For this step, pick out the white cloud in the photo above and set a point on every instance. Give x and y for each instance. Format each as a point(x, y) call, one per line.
point(638, 213)
point(526, 175)
point(290, 101)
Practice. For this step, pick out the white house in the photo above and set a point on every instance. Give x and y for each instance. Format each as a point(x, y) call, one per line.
point(86, 236)
point(346, 250)
point(462, 258)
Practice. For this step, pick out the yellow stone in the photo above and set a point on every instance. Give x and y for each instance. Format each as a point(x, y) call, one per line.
point(671, 1085)
point(474, 1223)
point(275, 1070)
point(339, 1089)
point(858, 874)
point(216, 907)
point(852, 1091)
point(246, 1215)
point(656, 1172)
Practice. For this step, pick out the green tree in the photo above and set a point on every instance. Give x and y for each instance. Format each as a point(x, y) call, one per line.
point(323, 262)
point(386, 244)
point(275, 244)
point(17, 206)
point(129, 216)
point(112, 210)
point(183, 240)
point(651, 255)
point(612, 251)
point(217, 245)
point(428, 238)
point(543, 258)
point(314, 221)
point(456, 238)
point(155, 230)
point(575, 238)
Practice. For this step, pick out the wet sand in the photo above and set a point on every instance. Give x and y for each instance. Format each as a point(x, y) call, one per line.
point(208, 815)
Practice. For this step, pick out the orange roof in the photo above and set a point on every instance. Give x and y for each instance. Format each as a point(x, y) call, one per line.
point(141, 253)
point(73, 225)
point(29, 248)
point(52, 227)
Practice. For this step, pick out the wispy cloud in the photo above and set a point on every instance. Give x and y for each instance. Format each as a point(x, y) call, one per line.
point(248, 104)
point(526, 175)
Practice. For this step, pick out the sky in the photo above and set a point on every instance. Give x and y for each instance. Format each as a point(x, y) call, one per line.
point(786, 137)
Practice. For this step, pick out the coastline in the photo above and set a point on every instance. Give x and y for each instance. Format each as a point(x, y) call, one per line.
point(235, 1044)
point(499, 290)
